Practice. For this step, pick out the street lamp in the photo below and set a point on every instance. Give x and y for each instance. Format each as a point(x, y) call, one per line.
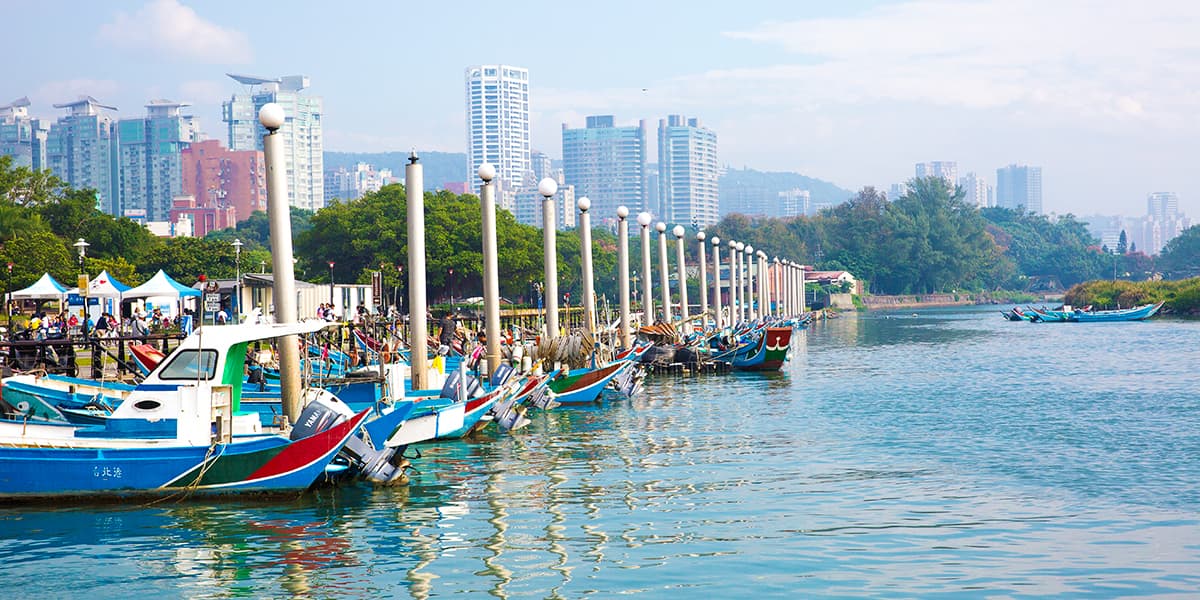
point(450, 284)
point(8, 300)
point(82, 247)
point(237, 283)
point(331, 263)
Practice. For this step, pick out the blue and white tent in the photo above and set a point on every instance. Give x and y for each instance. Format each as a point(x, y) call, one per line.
point(45, 288)
point(161, 285)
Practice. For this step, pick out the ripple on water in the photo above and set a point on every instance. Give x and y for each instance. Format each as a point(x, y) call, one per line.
point(951, 453)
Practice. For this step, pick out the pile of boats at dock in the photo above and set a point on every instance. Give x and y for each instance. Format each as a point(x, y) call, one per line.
point(1068, 314)
point(206, 417)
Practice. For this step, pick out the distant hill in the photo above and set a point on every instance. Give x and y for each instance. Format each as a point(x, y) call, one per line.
point(741, 190)
point(440, 167)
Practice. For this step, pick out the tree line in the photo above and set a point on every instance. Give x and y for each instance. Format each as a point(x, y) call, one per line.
point(928, 240)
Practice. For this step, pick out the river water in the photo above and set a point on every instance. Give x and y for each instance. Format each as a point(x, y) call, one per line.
point(946, 453)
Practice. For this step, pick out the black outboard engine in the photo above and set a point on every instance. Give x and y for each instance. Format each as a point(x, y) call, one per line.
point(454, 379)
point(324, 410)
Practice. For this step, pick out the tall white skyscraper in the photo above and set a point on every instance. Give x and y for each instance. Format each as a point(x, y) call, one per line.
point(975, 190)
point(1019, 187)
point(687, 172)
point(946, 169)
point(81, 149)
point(793, 203)
point(607, 163)
point(1163, 221)
point(303, 142)
point(498, 128)
point(21, 136)
point(151, 162)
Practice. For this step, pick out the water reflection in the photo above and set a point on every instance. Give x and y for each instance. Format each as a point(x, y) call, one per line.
point(892, 457)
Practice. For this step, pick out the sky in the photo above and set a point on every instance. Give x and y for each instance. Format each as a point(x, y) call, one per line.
point(1103, 95)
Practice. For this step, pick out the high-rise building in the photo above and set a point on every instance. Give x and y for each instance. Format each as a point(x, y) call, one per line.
point(541, 165)
point(21, 136)
point(81, 149)
point(946, 169)
point(527, 206)
point(1163, 221)
point(150, 161)
point(608, 165)
point(303, 141)
point(498, 128)
point(1019, 187)
point(793, 203)
point(975, 190)
point(218, 178)
point(687, 172)
point(346, 184)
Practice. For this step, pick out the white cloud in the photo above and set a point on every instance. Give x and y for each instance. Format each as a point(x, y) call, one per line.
point(203, 91)
point(68, 90)
point(168, 26)
point(1077, 57)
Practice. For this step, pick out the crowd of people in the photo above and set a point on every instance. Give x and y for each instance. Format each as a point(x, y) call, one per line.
point(63, 325)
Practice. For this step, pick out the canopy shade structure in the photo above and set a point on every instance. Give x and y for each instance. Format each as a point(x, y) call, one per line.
point(44, 288)
point(106, 286)
point(161, 285)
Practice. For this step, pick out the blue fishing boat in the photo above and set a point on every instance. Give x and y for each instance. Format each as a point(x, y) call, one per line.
point(584, 386)
point(1129, 314)
point(181, 430)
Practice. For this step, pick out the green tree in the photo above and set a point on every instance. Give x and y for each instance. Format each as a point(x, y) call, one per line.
point(1181, 256)
point(1123, 244)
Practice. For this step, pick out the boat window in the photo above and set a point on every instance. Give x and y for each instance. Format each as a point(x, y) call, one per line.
point(191, 364)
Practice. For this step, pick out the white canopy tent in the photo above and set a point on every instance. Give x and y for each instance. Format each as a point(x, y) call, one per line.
point(162, 291)
point(45, 288)
point(107, 289)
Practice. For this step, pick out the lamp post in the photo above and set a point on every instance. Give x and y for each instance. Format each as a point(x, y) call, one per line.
point(585, 261)
point(547, 187)
point(716, 244)
point(8, 299)
point(450, 286)
point(751, 314)
point(779, 297)
point(681, 268)
point(647, 277)
point(663, 269)
point(623, 273)
point(764, 294)
point(491, 270)
point(237, 282)
point(733, 284)
point(703, 262)
point(331, 263)
point(82, 247)
point(272, 118)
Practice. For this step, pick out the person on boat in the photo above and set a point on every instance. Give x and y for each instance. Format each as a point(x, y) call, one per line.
point(222, 316)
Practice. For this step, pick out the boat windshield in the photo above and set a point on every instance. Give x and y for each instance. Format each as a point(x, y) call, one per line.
point(191, 364)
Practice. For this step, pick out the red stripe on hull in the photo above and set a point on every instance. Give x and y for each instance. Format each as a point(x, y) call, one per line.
point(303, 452)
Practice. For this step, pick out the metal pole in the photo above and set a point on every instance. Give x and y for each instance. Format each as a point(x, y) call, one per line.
point(751, 313)
point(8, 301)
point(491, 268)
point(585, 259)
point(647, 277)
point(800, 286)
point(716, 264)
point(681, 268)
point(547, 187)
point(279, 212)
point(663, 278)
point(623, 273)
point(418, 326)
point(747, 299)
point(703, 262)
point(774, 268)
point(331, 263)
point(764, 294)
point(733, 284)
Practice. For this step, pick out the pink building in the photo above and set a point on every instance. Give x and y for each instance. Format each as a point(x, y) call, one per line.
point(457, 187)
point(204, 218)
point(219, 178)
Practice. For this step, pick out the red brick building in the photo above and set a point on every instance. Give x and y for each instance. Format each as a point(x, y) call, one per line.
point(218, 178)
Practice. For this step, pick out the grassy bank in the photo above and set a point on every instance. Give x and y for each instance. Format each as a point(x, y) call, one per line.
point(1181, 297)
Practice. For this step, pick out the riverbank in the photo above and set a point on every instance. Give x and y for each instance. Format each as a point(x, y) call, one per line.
point(906, 301)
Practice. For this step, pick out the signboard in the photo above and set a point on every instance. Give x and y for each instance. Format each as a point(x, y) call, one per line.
point(77, 300)
point(212, 302)
point(377, 286)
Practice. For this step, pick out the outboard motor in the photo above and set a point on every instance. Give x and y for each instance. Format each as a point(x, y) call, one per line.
point(500, 377)
point(456, 379)
point(324, 410)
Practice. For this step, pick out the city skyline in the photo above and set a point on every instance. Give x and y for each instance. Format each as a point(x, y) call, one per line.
point(855, 94)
